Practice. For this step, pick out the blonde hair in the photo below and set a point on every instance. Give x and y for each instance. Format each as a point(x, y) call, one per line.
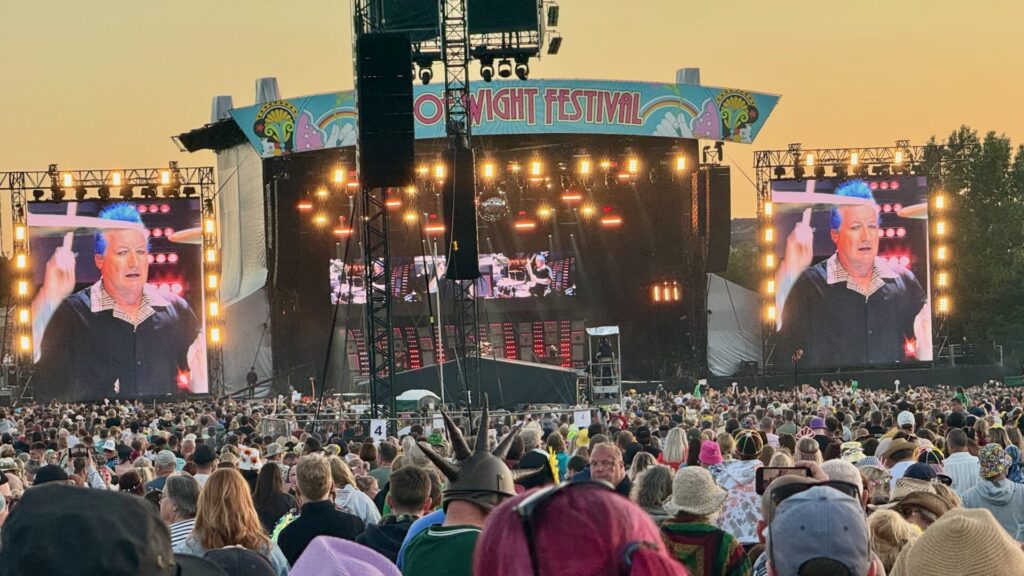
point(997, 435)
point(313, 477)
point(674, 450)
point(341, 473)
point(225, 515)
point(781, 460)
point(876, 484)
point(727, 443)
point(808, 449)
point(641, 462)
point(947, 493)
point(889, 534)
point(147, 474)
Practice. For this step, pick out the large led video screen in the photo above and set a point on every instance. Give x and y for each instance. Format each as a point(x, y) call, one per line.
point(516, 275)
point(851, 280)
point(117, 311)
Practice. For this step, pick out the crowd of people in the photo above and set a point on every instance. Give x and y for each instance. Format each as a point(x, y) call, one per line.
point(816, 480)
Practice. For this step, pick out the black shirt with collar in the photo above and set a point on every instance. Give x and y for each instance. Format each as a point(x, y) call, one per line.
point(317, 519)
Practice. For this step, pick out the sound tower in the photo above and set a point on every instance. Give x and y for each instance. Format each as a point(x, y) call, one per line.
point(384, 105)
point(459, 204)
point(719, 218)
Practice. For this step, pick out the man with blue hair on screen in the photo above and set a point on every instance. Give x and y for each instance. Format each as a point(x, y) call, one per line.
point(120, 337)
point(853, 308)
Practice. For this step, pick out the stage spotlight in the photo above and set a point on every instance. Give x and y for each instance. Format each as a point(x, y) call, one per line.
point(126, 192)
point(555, 44)
point(56, 193)
point(553, 15)
point(103, 192)
point(487, 68)
point(780, 171)
point(426, 74)
point(38, 194)
point(505, 68)
point(149, 192)
point(189, 191)
point(522, 67)
point(839, 170)
point(798, 172)
point(819, 171)
point(80, 192)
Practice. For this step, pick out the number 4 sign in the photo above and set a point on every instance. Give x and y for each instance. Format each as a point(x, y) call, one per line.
point(379, 430)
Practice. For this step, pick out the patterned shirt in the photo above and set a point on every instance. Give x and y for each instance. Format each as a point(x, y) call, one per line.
point(704, 549)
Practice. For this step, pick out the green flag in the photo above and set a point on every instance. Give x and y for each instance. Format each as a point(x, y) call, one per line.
point(696, 391)
point(854, 385)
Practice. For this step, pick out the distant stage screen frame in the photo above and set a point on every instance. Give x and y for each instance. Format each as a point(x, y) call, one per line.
point(521, 275)
point(824, 317)
point(128, 323)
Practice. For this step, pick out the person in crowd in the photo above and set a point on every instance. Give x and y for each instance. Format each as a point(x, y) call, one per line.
point(527, 535)
point(225, 516)
point(347, 496)
point(651, 488)
point(963, 542)
point(641, 462)
point(130, 483)
point(675, 449)
point(741, 509)
point(890, 533)
point(606, 464)
point(269, 498)
point(819, 531)
point(164, 464)
point(408, 499)
point(960, 465)
point(58, 530)
point(478, 485)
point(995, 493)
point(205, 460)
point(917, 501)
point(386, 453)
point(808, 449)
point(898, 456)
point(318, 515)
point(178, 505)
point(555, 443)
point(693, 535)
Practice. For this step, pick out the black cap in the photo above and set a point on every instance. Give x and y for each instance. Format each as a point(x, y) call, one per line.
point(237, 561)
point(50, 473)
point(203, 455)
point(62, 530)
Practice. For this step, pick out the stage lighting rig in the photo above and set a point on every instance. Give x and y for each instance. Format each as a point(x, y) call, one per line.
point(38, 193)
point(103, 192)
point(553, 15)
point(487, 68)
point(505, 68)
point(80, 192)
point(426, 73)
point(56, 192)
point(554, 44)
point(522, 67)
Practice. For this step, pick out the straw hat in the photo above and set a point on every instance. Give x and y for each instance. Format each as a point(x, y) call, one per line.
point(966, 542)
point(694, 492)
point(898, 445)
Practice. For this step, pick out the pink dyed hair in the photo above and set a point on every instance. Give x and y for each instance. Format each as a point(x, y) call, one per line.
point(583, 531)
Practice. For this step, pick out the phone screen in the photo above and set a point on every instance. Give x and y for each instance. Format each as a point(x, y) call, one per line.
point(765, 475)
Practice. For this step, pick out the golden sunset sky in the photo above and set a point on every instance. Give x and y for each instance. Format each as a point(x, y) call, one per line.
point(105, 83)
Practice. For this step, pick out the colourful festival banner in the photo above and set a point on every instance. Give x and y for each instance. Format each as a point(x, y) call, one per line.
point(516, 107)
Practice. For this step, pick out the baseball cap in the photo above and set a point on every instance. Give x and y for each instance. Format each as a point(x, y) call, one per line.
point(203, 455)
point(102, 531)
point(817, 422)
point(819, 522)
point(165, 458)
point(110, 445)
point(238, 561)
point(905, 419)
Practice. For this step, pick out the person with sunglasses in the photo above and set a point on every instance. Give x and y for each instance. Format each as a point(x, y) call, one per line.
point(528, 535)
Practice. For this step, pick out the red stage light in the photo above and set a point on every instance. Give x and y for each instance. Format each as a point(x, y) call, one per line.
point(165, 208)
point(897, 207)
point(172, 258)
point(873, 185)
point(305, 205)
point(910, 346)
point(157, 232)
point(342, 231)
point(150, 258)
point(890, 232)
point(901, 232)
point(606, 209)
point(434, 228)
point(176, 288)
point(161, 258)
point(611, 221)
point(886, 207)
point(884, 185)
point(142, 209)
point(571, 196)
point(525, 225)
point(894, 185)
point(168, 231)
point(154, 208)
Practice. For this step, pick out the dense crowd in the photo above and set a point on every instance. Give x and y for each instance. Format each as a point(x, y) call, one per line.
point(820, 480)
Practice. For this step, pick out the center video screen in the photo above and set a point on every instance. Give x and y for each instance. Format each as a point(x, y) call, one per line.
point(117, 290)
point(517, 275)
point(851, 284)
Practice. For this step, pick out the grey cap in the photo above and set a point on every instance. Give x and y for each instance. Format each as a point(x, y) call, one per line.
point(165, 458)
point(820, 522)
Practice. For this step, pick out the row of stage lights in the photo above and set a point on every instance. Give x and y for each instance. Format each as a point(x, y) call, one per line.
point(533, 172)
point(941, 256)
point(807, 161)
point(63, 183)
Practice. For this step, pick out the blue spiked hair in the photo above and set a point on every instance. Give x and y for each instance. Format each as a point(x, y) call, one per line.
point(850, 189)
point(122, 212)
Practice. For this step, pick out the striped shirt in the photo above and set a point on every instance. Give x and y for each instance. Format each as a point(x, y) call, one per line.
point(836, 273)
point(181, 530)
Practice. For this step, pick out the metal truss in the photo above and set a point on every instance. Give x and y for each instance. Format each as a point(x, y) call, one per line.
point(211, 289)
point(95, 178)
